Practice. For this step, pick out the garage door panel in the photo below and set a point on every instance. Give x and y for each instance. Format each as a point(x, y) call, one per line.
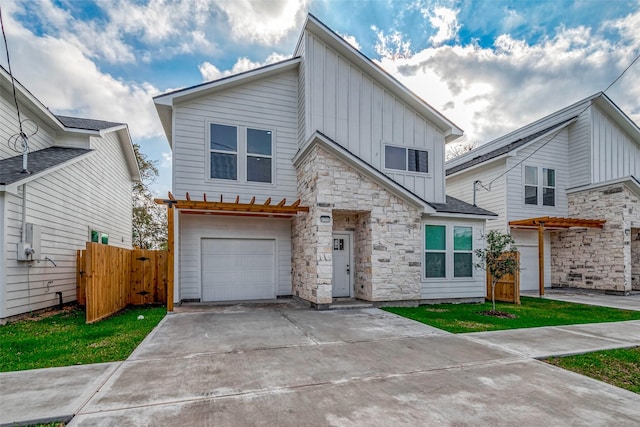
point(238, 269)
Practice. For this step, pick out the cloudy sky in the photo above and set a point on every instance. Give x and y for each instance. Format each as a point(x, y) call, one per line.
point(491, 66)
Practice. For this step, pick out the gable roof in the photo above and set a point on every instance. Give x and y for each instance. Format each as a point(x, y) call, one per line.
point(538, 129)
point(511, 146)
point(452, 205)
point(165, 102)
point(382, 77)
point(74, 125)
point(87, 124)
point(40, 161)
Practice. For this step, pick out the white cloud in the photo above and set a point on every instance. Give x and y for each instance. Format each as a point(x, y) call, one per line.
point(167, 157)
point(351, 40)
point(263, 22)
point(393, 45)
point(490, 91)
point(74, 85)
point(512, 19)
point(211, 72)
point(445, 21)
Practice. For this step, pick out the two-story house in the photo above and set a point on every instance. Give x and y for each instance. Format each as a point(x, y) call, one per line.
point(566, 187)
point(77, 189)
point(320, 177)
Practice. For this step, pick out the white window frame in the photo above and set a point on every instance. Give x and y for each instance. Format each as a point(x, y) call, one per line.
point(540, 187)
point(406, 159)
point(241, 155)
point(459, 251)
point(449, 252)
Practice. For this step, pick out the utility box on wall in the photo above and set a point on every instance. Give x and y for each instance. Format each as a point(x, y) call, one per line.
point(29, 248)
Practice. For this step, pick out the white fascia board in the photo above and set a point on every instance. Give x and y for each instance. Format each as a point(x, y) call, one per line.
point(363, 167)
point(13, 187)
point(127, 147)
point(479, 165)
point(514, 152)
point(450, 130)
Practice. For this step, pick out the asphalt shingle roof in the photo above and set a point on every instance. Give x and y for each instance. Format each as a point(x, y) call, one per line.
point(39, 161)
point(504, 149)
point(86, 124)
point(454, 205)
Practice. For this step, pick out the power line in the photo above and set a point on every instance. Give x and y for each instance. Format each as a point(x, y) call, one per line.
point(555, 134)
point(13, 83)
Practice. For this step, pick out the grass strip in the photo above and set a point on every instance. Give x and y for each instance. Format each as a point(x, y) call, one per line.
point(65, 339)
point(619, 367)
point(533, 312)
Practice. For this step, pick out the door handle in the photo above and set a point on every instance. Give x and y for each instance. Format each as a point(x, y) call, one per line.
point(348, 269)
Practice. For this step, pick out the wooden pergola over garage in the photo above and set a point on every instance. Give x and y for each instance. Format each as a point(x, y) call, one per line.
point(218, 207)
point(552, 223)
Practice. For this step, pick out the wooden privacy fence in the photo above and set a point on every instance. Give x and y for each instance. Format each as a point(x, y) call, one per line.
point(110, 278)
point(508, 287)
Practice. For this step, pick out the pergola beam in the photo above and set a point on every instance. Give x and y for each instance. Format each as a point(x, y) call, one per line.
point(222, 206)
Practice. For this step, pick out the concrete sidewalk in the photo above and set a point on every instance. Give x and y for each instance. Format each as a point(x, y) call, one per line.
point(292, 366)
point(580, 296)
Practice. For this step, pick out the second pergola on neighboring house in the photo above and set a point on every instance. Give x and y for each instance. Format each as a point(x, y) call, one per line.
point(188, 206)
point(548, 223)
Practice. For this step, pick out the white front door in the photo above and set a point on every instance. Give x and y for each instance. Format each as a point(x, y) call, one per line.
point(341, 265)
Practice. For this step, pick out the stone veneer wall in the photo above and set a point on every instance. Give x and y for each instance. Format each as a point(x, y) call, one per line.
point(597, 258)
point(388, 238)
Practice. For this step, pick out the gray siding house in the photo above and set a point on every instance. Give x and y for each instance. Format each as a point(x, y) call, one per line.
point(320, 177)
point(78, 189)
point(578, 165)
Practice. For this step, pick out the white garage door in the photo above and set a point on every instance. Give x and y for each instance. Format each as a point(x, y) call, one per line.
point(529, 268)
point(238, 269)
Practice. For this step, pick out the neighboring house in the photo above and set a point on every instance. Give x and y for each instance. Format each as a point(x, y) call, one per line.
point(579, 165)
point(78, 189)
point(361, 156)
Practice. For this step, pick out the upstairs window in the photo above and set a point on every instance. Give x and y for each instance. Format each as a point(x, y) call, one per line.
point(539, 186)
point(258, 155)
point(224, 152)
point(406, 159)
point(240, 153)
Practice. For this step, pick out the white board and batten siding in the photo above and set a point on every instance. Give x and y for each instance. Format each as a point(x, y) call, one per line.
point(271, 104)
point(452, 287)
point(615, 155)
point(204, 236)
point(350, 107)
point(94, 193)
point(494, 199)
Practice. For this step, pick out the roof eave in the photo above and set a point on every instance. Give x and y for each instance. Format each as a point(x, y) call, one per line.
point(320, 30)
point(13, 187)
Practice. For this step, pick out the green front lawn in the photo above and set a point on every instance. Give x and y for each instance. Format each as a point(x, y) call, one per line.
point(65, 339)
point(618, 367)
point(534, 312)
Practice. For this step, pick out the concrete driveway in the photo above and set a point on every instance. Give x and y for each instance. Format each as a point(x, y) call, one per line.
point(292, 366)
point(286, 365)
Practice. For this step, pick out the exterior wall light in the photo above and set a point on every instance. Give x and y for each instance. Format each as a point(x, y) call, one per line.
point(325, 218)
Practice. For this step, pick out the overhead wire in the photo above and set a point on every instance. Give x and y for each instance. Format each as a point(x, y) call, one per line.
point(555, 134)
